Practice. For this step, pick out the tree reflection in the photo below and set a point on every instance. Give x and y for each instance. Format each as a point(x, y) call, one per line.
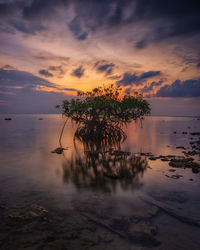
point(104, 167)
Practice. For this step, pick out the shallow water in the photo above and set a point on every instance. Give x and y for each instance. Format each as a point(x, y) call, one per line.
point(86, 208)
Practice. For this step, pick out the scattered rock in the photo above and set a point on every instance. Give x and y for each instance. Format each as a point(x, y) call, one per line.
point(185, 163)
point(190, 153)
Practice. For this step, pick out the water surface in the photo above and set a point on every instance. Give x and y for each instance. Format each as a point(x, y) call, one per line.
point(86, 208)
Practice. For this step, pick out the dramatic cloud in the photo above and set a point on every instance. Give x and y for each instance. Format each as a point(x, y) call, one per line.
point(45, 73)
point(150, 87)
point(117, 39)
point(77, 30)
point(104, 67)
point(129, 79)
point(22, 92)
point(188, 88)
point(79, 72)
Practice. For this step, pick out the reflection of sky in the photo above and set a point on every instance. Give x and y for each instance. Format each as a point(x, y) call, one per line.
point(49, 49)
point(27, 144)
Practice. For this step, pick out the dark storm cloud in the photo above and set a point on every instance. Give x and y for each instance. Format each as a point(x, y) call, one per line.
point(129, 78)
point(11, 78)
point(104, 67)
point(45, 73)
point(164, 19)
point(18, 93)
point(150, 87)
point(14, 79)
point(79, 72)
point(188, 88)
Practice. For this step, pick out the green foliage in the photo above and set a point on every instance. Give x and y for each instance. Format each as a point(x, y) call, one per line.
point(102, 111)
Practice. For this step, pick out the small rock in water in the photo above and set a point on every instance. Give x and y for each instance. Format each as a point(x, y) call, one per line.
point(180, 147)
point(184, 133)
point(191, 179)
point(152, 158)
point(172, 170)
point(174, 176)
point(8, 119)
point(58, 150)
point(40, 119)
point(175, 132)
point(195, 133)
point(164, 159)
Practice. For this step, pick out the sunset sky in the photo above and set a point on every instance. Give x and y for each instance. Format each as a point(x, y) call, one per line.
point(51, 48)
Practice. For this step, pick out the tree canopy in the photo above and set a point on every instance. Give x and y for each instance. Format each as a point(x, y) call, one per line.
point(102, 111)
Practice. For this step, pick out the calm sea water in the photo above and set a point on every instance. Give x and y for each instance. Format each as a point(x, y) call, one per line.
point(86, 208)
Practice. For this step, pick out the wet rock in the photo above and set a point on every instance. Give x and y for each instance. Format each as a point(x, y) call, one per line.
point(153, 158)
point(146, 154)
point(165, 159)
point(170, 156)
point(30, 213)
point(190, 153)
point(181, 163)
point(180, 147)
point(195, 169)
point(8, 119)
point(58, 150)
point(174, 176)
point(195, 133)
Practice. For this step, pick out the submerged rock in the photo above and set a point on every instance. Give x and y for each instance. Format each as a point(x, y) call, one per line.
point(174, 176)
point(143, 232)
point(30, 213)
